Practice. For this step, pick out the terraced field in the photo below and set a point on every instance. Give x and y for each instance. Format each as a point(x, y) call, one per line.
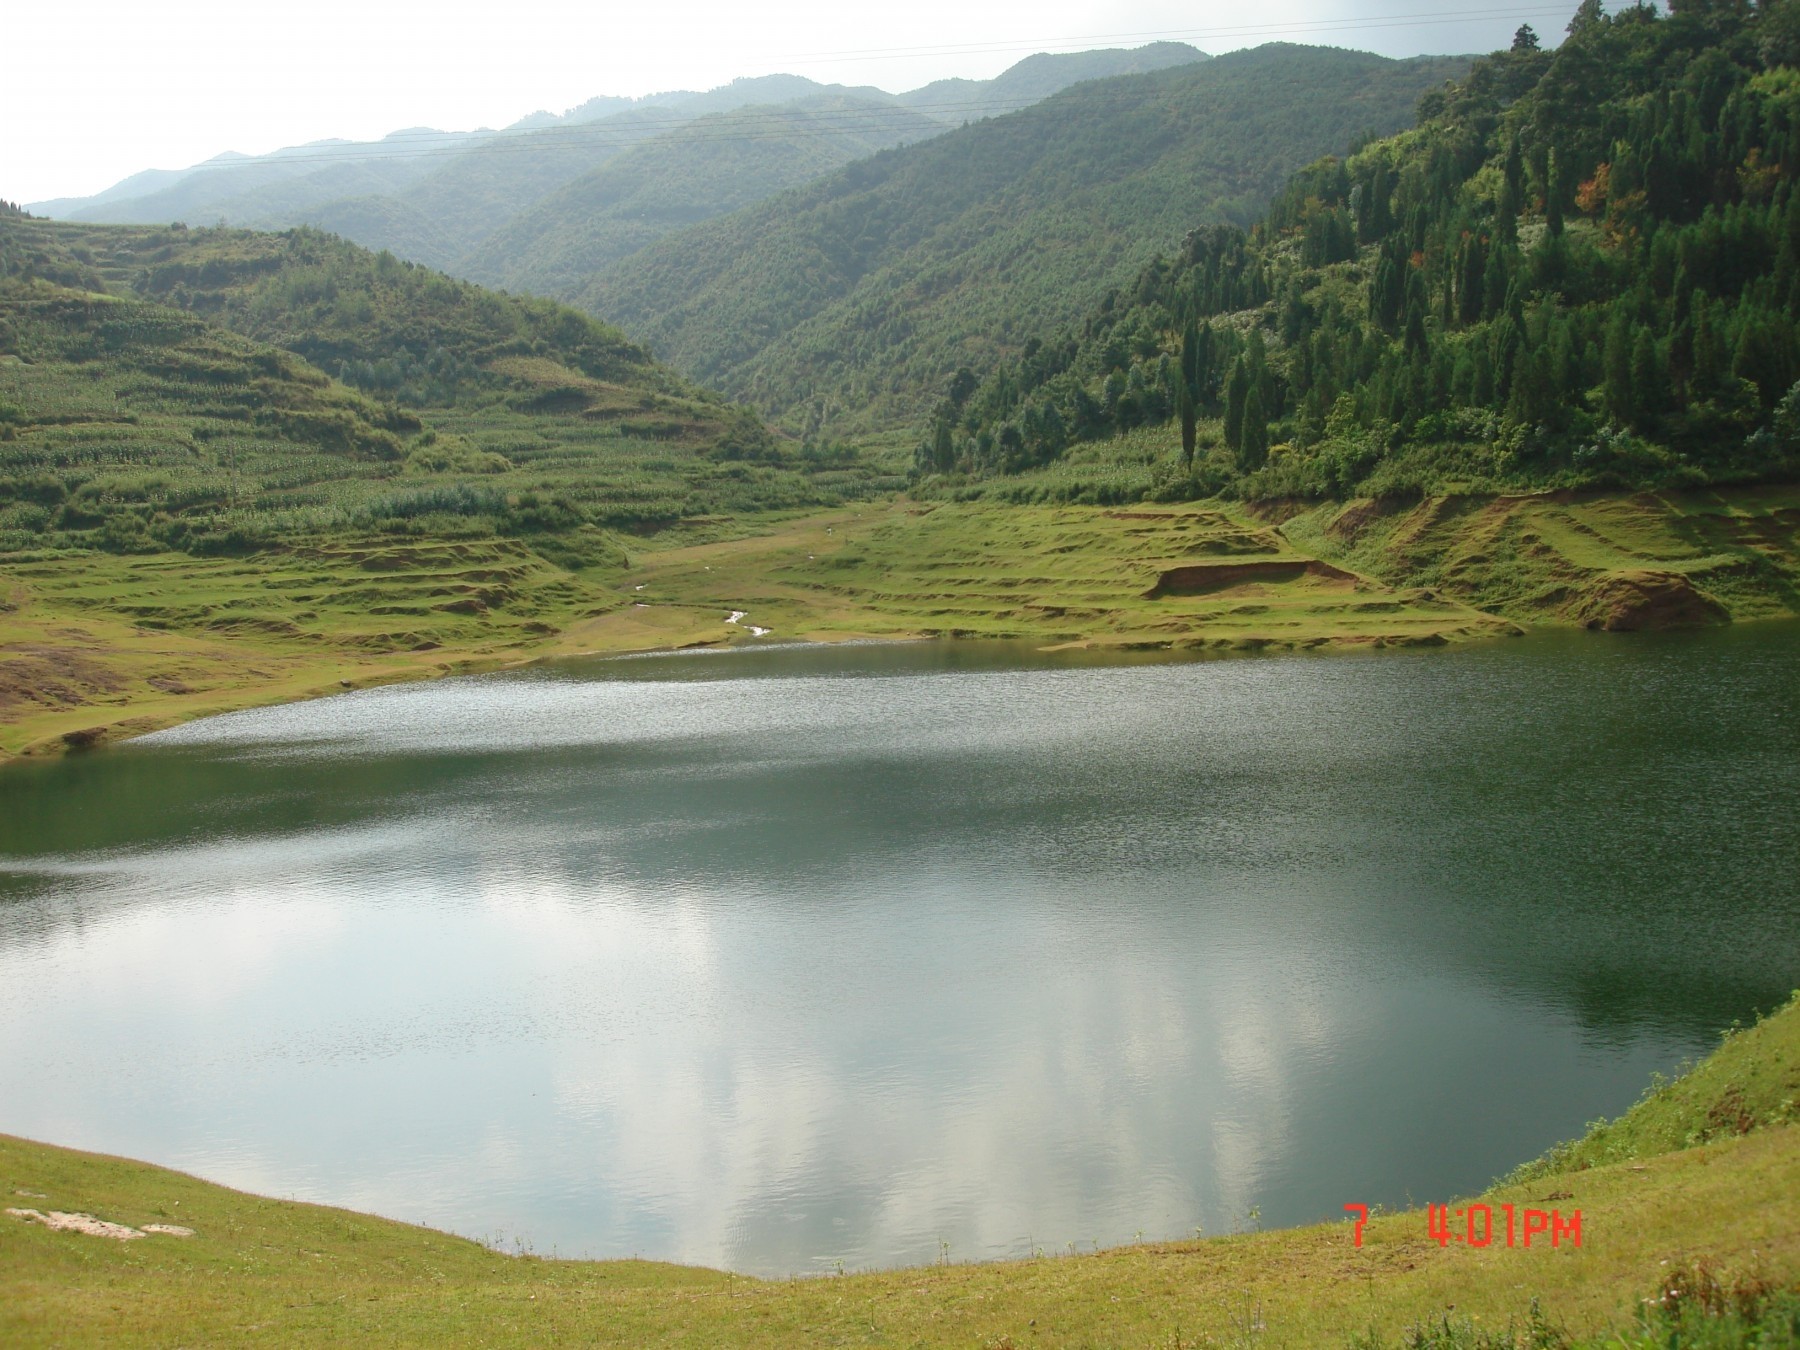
point(85, 640)
point(1175, 578)
point(94, 645)
point(1614, 562)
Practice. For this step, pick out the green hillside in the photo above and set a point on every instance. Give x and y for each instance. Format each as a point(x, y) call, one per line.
point(848, 303)
point(154, 352)
point(1580, 269)
point(709, 167)
point(328, 447)
point(391, 328)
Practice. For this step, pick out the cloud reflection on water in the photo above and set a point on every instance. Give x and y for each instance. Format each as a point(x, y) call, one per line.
point(777, 972)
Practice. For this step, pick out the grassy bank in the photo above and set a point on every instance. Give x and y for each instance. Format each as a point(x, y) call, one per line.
point(1718, 1207)
point(98, 645)
point(1616, 561)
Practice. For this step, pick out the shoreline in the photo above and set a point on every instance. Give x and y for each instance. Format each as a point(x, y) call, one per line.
point(97, 649)
point(101, 1249)
point(328, 682)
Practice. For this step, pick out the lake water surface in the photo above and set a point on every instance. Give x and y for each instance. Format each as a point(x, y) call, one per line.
point(790, 957)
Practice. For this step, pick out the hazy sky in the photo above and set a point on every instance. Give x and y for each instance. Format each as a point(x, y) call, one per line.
point(99, 90)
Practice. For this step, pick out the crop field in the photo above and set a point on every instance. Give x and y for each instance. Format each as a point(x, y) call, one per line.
point(93, 645)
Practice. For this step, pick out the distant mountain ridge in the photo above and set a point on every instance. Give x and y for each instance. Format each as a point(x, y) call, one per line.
point(847, 303)
point(436, 197)
point(707, 168)
point(1038, 77)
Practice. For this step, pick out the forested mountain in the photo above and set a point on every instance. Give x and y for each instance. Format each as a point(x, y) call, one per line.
point(726, 161)
point(711, 166)
point(1579, 268)
point(847, 302)
point(461, 202)
point(450, 213)
point(438, 197)
point(1038, 77)
point(283, 187)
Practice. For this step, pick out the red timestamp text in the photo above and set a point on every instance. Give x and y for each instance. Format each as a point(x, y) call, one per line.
point(1483, 1225)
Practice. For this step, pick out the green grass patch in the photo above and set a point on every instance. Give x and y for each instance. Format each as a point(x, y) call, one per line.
point(1142, 577)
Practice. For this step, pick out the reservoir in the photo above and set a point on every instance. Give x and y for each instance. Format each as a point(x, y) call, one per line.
point(787, 958)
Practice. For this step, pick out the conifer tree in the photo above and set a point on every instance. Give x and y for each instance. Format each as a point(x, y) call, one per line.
point(1253, 448)
point(1237, 390)
point(1187, 390)
point(1616, 385)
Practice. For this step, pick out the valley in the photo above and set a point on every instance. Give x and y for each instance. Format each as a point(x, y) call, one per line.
point(653, 683)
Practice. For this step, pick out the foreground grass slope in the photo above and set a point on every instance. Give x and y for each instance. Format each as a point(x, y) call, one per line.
point(269, 1272)
point(1219, 575)
point(94, 646)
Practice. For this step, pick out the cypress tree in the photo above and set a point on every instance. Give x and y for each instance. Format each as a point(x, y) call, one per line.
point(1760, 360)
point(1709, 353)
point(1253, 451)
point(1418, 301)
point(1647, 380)
point(1237, 389)
point(1495, 281)
point(1565, 371)
point(1471, 276)
point(1554, 189)
point(1387, 292)
point(1187, 384)
point(1616, 386)
point(1481, 387)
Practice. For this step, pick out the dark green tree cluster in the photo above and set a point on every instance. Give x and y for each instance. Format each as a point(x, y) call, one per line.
point(1582, 266)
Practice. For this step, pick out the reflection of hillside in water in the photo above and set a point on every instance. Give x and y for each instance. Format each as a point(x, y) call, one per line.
point(804, 968)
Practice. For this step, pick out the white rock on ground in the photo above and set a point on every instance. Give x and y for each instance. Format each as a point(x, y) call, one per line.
point(87, 1223)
